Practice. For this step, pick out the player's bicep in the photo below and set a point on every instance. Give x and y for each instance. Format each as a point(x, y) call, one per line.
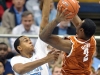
point(59, 43)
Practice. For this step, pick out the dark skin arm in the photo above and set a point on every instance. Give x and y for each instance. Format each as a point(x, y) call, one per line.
point(45, 17)
point(53, 40)
point(46, 32)
point(76, 21)
point(45, 13)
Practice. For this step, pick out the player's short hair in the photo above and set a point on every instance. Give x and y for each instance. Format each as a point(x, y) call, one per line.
point(17, 43)
point(2, 43)
point(89, 27)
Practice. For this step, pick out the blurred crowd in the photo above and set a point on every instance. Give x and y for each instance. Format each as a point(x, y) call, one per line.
point(23, 17)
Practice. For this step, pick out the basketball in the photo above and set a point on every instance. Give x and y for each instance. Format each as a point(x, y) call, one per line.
point(71, 5)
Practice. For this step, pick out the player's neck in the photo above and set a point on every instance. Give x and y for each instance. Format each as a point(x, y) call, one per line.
point(28, 55)
point(82, 39)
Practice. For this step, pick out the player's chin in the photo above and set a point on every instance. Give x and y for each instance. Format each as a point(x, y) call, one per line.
point(31, 51)
point(31, 47)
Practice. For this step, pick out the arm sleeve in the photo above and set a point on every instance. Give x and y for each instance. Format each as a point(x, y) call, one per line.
point(16, 60)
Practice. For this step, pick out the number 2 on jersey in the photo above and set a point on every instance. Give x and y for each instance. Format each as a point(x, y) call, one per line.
point(85, 48)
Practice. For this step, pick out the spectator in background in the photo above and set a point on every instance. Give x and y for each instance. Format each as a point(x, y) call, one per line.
point(27, 27)
point(4, 31)
point(1, 67)
point(55, 3)
point(95, 61)
point(12, 16)
point(64, 28)
point(3, 56)
point(32, 5)
point(56, 70)
point(4, 4)
point(38, 14)
point(59, 60)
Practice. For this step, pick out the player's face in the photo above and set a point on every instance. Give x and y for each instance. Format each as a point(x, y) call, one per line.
point(80, 32)
point(1, 69)
point(27, 22)
point(3, 51)
point(26, 45)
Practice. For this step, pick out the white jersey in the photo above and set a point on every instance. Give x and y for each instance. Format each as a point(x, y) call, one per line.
point(41, 70)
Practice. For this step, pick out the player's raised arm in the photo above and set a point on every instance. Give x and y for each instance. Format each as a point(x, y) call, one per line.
point(76, 21)
point(45, 6)
point(55, 41)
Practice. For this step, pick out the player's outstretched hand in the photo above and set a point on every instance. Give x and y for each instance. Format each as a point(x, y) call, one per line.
point(53, 55)
point(61, 16)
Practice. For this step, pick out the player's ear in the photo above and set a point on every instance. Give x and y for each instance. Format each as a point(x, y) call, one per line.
point(19, 48)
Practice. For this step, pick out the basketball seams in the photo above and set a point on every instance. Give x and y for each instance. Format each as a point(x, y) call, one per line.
point(71, 5)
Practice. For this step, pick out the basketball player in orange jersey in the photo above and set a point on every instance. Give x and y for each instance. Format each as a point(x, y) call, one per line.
point(78, 49)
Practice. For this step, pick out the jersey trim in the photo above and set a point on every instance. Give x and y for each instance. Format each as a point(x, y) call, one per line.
point(80, 41)
point(71, 49)
point(94, 40)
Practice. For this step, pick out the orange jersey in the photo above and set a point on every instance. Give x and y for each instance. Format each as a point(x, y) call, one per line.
point(78, 61)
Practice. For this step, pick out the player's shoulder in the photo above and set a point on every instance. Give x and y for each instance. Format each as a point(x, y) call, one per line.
point(93, 40)
point(16, 57)
point(68, 37)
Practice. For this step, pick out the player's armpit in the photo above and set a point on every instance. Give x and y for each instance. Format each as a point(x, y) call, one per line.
point(59, 43)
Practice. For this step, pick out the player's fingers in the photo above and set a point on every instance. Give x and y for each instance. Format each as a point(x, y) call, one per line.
point(57, 54)
point(60, 9)
point(62, 14)
point(57, 51)
point(64, 11)
point(69, 14)
point(51, 52)
point(57, 10)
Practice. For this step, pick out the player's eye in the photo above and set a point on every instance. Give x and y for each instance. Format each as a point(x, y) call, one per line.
point(26, 40)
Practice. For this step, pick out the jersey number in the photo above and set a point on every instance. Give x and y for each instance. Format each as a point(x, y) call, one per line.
point(85, 48)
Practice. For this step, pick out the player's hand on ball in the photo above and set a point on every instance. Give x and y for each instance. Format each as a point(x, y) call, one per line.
point(61, 16)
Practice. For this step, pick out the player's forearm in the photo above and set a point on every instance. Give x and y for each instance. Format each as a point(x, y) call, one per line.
point(76, 21)
point(45, 14)
point(47, 31)
point(32, 65)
